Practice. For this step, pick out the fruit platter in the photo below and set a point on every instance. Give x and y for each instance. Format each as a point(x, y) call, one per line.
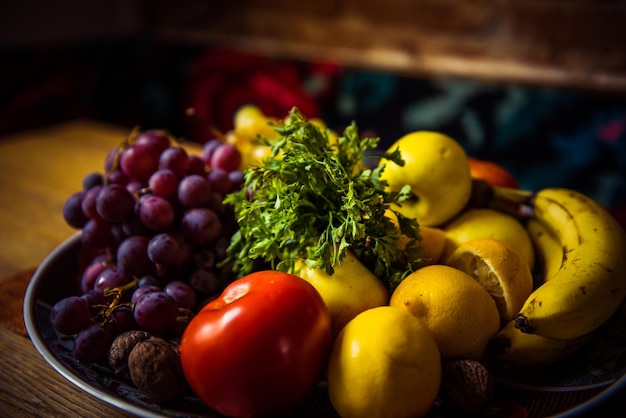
point(284, 269)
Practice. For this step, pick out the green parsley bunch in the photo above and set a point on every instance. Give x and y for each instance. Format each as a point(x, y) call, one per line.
point(313, 200)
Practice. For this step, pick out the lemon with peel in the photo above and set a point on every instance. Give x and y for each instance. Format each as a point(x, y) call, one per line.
point(488, 223)
point(459, 312)
point(499, 268)
point(249, 123)
point(432, 243)
point(385, 363)
point(247, 115)
point(437, 169)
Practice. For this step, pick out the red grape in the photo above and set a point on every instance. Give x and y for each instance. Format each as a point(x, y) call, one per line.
point(156, 213)
point(219, 181)
point(156, 312)
point(139, 162)
point(92, 344)
point(182, 293)
point(92, 179)
point(91, 274)
point(132, 256)
point(163, 249)
point(194, 191)
point(111, 159)
point(200, 226)
point(118, 177)
point(203, 281)
point(88, 204)
point(164, 183)
point(73, 211)
point(115, 203)
point(157, 140)
point(196, 166)
point(227, 157)
point(98, 235)
point(142, 290)
point(70, 315)
point(149, 281)
point(236, 178)
point(111, 277)
point(208, 149)
point(175, 159)
point(121, 320)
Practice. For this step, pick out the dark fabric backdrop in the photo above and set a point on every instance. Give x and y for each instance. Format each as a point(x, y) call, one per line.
point(545, 137)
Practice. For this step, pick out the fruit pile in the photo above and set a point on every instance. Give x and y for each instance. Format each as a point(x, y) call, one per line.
point(399, 285)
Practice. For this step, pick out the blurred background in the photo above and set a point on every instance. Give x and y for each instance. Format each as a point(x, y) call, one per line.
point(538, 86)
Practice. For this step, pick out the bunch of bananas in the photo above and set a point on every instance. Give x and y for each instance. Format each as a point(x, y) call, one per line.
point(581, 249)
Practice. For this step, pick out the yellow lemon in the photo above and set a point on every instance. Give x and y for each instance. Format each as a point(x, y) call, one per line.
point(350, 290)
point(250, 122)
point(247, 115)
point(456, 308)
point(499, 268)
point(437, 169)
point(488, 223)
point(385, 363)
point(432, 242)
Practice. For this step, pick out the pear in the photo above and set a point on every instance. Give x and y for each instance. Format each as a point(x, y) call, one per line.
point(350, 290)
point(437, 170)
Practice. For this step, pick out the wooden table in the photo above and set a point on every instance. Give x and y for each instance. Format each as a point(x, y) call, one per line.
point(39, 169)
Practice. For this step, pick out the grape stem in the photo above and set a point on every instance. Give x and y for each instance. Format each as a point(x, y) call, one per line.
point(191, 112)
point(134, 133)
point(104, 316)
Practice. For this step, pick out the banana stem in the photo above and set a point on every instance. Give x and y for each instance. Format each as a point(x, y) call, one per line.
point(510, 195)
point(515, 202)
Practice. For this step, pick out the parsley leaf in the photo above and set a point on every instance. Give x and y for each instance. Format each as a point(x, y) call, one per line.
point(313, 200)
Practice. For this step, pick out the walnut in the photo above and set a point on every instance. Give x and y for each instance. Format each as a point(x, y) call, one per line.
point(156, 370)
point(121, 348)
point(466, 387)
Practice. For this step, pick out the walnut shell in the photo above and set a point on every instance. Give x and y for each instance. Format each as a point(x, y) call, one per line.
point(466, 387)
point(156, 370)
point(121, 348)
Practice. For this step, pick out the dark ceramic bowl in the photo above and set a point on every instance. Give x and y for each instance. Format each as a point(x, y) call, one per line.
point(577, 387)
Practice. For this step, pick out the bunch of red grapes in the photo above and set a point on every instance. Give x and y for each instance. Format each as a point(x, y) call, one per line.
point(157, 228)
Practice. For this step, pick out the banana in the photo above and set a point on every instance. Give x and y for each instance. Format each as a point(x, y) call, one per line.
point(548, 249)
point(516, 347)
point(591, 283)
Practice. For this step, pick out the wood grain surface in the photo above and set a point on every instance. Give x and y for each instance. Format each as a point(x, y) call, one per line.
point(39, 169)
point(31, 388)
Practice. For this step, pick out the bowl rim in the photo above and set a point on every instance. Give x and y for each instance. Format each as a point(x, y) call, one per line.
point(48, 355)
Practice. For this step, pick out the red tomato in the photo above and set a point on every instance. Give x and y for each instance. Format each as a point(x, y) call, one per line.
point(492, 173)
point(260, 347)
